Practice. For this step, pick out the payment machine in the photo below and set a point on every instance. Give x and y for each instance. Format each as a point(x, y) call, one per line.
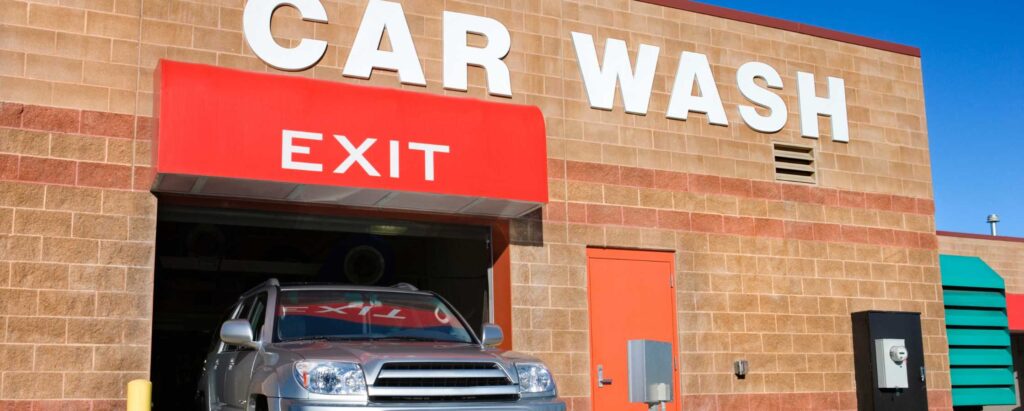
point(650, 373)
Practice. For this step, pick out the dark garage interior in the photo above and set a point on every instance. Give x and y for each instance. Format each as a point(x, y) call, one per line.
point(207, 257)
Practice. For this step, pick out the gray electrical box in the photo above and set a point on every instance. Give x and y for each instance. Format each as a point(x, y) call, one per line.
point(650, 371)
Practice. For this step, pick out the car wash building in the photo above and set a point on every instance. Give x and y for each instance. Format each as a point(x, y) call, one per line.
point(581, 174)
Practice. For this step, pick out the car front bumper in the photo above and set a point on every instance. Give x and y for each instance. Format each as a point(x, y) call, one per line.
point(283, 404)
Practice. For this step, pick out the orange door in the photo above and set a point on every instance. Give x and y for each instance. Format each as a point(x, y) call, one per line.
point(632, 297)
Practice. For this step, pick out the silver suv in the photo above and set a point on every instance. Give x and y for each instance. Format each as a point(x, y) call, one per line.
point(333, 347)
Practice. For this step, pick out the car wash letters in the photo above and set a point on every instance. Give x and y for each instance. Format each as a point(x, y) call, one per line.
point(602, 80)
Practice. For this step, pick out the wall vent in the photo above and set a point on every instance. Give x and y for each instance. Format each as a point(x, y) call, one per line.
point(794, 163)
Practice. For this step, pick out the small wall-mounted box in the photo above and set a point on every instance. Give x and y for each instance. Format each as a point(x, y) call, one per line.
point(891, 363)
point(650, 371)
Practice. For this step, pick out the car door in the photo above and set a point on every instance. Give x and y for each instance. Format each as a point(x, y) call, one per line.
point(238, 372)
point(210, 392)
point(223, 363)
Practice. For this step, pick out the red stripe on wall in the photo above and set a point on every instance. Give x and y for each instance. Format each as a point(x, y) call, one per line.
point(787, 25)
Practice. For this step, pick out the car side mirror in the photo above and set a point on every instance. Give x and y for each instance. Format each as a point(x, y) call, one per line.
point(238, 332)
point(492, 335)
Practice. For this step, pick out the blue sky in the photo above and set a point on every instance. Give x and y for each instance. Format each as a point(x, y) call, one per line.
point(973, 60)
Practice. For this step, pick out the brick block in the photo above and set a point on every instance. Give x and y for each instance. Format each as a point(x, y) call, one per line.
point(95, 331)
point(46, 170)
point(708, 223)
point(51, 119)
point(74, 198)
point(83, 47)
point(36, 330)
point(17, 302)
point(166, 33)
point(112, 25)
point(108, 124)
point(104, 175)
point(41, 222)
point(122, 358)
point(9, 165)
point(39, 275)
point(124, 305)
point(52, 68)
point(17, 141)
point(70, 250)
point(77, 147)
point(63, 358)
point(97, 384)
point(56, 18)
point(101, 227)
point(67, 303)
point(10, 114)
point(97, 278)
point(133, 254)
point(25, 39)
point(34, 385)
point(81, 96)
point(603, 214)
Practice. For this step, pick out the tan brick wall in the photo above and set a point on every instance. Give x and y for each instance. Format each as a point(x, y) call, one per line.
point(76, 249)
point(761, 265)
point(1005, 255)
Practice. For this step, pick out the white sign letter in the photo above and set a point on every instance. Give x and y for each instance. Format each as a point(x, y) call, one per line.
point(745, 77)
point(600, 80)
point(289, 149)
point(428, 157)
point(833, 106)
point(695, 67)
point(256, 27)
point(356, 155)
point(395, 158)
point(380, 17)
point(458, 55)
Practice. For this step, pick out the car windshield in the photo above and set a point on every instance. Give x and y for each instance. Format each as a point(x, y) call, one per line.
point(366, 316)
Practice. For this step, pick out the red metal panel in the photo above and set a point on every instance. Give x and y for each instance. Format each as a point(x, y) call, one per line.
point(226, 123)
point(1015, 311)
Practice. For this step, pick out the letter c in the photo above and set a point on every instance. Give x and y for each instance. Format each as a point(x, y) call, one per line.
point(256, 26)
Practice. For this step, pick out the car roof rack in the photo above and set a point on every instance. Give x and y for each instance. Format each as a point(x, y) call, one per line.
point(271, 282)
point(405, 286)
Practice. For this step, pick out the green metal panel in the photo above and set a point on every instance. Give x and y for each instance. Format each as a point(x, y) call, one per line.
point(975, 357)
point(980, 376)
point(983, 396)
point(974, 298)
point(980, 362)
point(976, 318)
point(978, 337)
point(969, 272)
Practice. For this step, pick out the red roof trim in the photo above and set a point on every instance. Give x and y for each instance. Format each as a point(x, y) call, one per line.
point(781, 24)
point(980, 236)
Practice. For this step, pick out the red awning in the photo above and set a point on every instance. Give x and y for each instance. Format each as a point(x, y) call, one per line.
point(230, 133)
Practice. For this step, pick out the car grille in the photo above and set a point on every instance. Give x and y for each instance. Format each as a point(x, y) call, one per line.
point(440, 381)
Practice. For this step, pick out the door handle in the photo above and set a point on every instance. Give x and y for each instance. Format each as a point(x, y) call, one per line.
point(601, 381)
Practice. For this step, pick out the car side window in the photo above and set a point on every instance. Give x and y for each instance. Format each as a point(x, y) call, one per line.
point(258, 315)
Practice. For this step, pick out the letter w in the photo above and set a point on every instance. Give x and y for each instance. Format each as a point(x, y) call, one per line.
point(600, 80)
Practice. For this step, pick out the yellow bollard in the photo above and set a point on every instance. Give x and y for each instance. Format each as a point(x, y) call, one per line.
point(140, 395)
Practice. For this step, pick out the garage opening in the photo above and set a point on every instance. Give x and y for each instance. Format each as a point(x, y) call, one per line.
point(207, 257)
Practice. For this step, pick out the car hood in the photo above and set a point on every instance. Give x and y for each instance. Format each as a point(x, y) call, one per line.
point(371, 355)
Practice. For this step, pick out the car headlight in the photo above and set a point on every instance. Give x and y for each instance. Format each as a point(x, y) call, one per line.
point(331, 378)
point(535, 378)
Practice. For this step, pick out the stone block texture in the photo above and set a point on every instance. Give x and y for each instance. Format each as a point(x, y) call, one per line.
point(766, 271)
